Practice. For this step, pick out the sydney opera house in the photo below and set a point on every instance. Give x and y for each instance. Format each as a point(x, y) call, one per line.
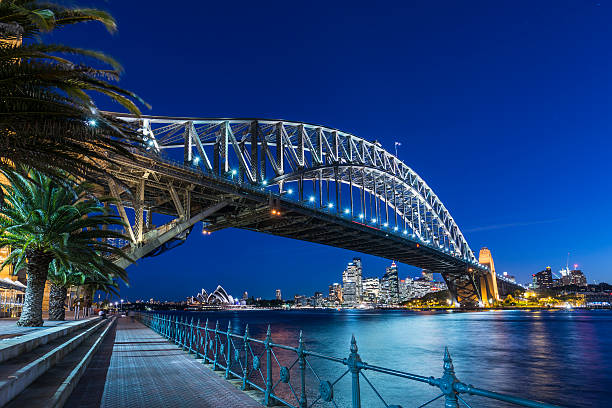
point(216, 298)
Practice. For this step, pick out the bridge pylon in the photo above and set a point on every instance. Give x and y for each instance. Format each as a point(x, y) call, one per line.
point(488, 282)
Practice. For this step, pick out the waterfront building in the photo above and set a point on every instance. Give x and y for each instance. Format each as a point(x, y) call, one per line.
point(218, 297)
point(405, 289)
point(389, 286)
point(349, 293)
point(300, 300)
point(371, 290)
point(543, 279)
point(511, 278)
point(279, 296)
point(335, 293)
point(353, 273)
point(317, 299)
point(245, 295)
point(577, 278)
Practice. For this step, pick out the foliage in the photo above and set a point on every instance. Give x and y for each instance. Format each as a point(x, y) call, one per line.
point(40, 213)
point(48, 119)
point(44, 220)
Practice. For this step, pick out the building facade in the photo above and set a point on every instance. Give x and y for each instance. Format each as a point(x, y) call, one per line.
point(371, 290)
point(389, 286)
point(353, 273)
point(543, 279)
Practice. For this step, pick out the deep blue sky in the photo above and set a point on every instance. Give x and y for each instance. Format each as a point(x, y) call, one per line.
point(503, 107)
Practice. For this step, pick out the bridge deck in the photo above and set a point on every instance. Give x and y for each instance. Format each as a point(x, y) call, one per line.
point(145, 370)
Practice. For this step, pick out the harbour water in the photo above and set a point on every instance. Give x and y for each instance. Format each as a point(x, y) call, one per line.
point(559, 356)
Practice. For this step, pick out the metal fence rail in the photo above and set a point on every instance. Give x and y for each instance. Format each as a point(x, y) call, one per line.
point(256, 364)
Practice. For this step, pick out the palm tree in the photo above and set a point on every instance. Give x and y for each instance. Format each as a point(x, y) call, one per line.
point(48, 119)
point(102, 274)
point(42, 220)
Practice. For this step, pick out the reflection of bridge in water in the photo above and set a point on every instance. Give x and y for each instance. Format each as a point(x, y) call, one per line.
point(293, 180)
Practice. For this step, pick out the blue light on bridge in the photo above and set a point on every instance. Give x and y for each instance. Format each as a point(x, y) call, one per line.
point(92, 122)
point(361, 216)
point(394, 228)
point(195, 161)
point(373, 220)
point(405, 232)
point(386, 224)
point(346, 211)
point(290, 191)
point(265, 182)
point(311, 199)
point(234, 172)
point(330, 205)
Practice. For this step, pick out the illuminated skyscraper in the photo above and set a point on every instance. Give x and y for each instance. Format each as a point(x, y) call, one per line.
point(353, 273)
point(389, 286)
point(279, 296)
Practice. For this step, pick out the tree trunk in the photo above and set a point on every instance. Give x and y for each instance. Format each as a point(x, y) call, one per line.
point(57, 301)
point(37, 270)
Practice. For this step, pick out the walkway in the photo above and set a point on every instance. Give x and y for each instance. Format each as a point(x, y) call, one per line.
point(145, 370)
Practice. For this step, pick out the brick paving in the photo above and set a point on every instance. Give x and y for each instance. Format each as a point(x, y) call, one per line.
point(145, 370)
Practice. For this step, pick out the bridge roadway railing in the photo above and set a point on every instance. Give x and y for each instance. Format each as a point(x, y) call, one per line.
point(258, 364)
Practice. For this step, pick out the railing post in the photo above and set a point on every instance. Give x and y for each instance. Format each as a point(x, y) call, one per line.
point(245, 367)
point(180, 332)
point(205, 342)
point(353, 363)
point(267, 400)
point(191, 335)
point(216, 350)
point(228, 359)
point(302, 363)
point(447, 382)
point(175, 329)
point(198, 336)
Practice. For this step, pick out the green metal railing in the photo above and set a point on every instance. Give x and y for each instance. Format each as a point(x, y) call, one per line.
point(245, 358)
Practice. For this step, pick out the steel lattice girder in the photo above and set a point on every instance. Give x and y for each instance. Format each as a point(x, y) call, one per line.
point(303, 152)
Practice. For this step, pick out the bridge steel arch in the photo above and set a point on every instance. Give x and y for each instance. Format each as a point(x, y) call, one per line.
point(291, 179)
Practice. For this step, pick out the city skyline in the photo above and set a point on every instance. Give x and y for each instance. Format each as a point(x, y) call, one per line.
point(505, 114)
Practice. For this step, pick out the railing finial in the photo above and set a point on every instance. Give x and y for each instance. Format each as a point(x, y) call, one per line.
point(354, 348)
point(448, 362)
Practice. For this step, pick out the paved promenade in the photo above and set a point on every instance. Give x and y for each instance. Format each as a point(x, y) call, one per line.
point(142, 369)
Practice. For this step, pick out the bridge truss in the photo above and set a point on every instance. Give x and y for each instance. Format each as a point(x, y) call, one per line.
point(290, 179)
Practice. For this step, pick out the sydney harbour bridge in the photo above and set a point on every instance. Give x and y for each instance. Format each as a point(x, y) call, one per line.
point(294, 180)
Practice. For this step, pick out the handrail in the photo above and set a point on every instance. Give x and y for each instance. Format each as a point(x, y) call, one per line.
point(220, 349)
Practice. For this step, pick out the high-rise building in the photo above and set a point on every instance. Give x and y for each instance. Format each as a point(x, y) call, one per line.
point(245, 295)
point(389, 286)
point(353, 273)
point(279, 296)
point(577, 278)
point(349, 293)
point(371, 290)
point(335, 293)
point(543, 279)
